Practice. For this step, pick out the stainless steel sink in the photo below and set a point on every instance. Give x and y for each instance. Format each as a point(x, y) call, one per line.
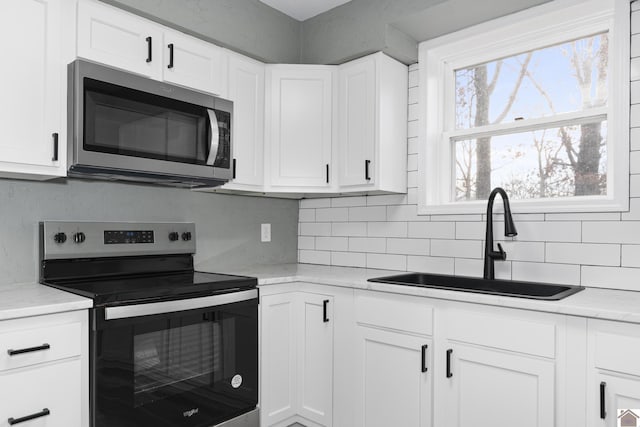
point(510, 288)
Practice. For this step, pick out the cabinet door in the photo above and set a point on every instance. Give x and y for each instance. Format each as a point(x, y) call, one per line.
point(490, 387)
point(194, 63)
point(246, 90)
point(356, 119)
point(119, 39)
point(51, 391)
point(278, 365)
point(392, 385)
point(300, 120)
point(611, 396)
point(315, 358)
point(32, 91)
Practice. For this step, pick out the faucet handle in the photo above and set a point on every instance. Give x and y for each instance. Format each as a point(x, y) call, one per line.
point(502, 255)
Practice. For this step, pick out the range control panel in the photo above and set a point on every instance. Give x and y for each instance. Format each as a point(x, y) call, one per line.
point(68, 239)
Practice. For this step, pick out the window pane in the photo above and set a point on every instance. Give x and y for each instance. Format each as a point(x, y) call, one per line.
point(563, 78)
point(555, 162)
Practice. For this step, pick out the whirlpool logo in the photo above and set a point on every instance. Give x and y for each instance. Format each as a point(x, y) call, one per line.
point(190, 413)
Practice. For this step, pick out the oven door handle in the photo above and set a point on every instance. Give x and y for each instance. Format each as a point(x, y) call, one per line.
point(215, 137)
point(148, 309)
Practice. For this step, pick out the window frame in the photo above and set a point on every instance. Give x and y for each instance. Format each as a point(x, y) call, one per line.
point(549, 24)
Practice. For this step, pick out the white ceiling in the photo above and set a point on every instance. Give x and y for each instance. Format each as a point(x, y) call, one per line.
point(303, 9)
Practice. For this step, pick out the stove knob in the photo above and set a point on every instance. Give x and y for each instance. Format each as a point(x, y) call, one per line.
point(79, 237)
point(60, 237)
point(173, 236)
point(186, 236)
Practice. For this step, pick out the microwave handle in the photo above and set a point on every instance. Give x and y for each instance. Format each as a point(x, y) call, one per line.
point(215, 137)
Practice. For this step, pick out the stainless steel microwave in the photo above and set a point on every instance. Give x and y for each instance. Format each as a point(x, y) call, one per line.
point(128, 127)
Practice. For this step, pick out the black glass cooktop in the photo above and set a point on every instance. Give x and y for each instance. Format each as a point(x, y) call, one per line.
point(153, 287)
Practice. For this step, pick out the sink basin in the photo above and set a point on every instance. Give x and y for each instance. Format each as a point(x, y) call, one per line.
point(510, 288)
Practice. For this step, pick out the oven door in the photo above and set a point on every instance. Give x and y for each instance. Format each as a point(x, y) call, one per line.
point(175, 363)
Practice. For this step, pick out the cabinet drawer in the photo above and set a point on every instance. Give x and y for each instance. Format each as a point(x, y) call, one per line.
point(619, 353)
point(38, 344)
point(399, 312)
point(54, 387)
point(508, 332)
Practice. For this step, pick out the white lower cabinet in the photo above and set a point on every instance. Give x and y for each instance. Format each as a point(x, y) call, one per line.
point(44, 371)
point(297, 359)
point(613, 373)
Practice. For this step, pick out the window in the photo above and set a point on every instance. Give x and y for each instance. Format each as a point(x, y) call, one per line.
point(536, 103)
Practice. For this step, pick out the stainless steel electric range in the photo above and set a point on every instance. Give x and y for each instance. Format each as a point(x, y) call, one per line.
point(169, 346)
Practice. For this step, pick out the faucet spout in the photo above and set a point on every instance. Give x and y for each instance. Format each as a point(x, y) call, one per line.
point(491, 255)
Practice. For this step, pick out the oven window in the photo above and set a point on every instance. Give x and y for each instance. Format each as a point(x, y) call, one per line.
point(129, 122)
point(180, 359)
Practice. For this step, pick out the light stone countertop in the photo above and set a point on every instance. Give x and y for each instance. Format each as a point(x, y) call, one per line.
point(596, 303)
point(34, 299)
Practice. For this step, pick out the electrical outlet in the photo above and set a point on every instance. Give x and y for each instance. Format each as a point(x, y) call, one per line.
point(265, 232)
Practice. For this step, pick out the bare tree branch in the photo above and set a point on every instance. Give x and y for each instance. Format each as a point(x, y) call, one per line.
point(514, 92)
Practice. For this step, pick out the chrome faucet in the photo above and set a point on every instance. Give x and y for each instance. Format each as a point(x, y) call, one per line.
point(509, 230)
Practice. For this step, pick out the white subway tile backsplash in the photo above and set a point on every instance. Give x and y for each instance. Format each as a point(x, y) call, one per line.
point(368, 244)
point(307, 215)
point(583, 253)
point(348, 259)
point(315, 203)
point(340, 202)
point(412, 129)
point(408, 246)
point(430, 264)
point(332, 243)
point(349, 229)
point(540, 231)
point(458, 218)
point(412, 145)
point(314, 257)
point(412, 179)
point(634, 211)
point(635, 46)
point(332, 214)
point(522, 251)
point(546, 272)
point(369, 213)
point(635, 69)
point(413, 96)
point(475, 268)
point(434, 230)
point(611, 277)
point(404, 213)
point(413, 77)
point(315, 229)
point(631, 257)
point(387, 229)
point(634, 120)
point(412, 197)
point(306, 242)
point(634, 139)
point(594, 216)
point(456, 248)
point(412, 162)
point(634, 162)
point(634, 185)
point(635, 92)
point(387, 261)
point(413, 112)
point(387, 199)
point(611, 232)
point(475, 230)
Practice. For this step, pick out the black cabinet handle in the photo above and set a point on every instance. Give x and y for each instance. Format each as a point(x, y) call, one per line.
point(327, 169)
point(170, 46)
point(55, 146)
point(44, 346)
point(325, 318)
point(603, 409)
point(149, 45)
point(234, 169)
point(424, 357)
point(366, 170)
point(449, 374)
point(42, 413)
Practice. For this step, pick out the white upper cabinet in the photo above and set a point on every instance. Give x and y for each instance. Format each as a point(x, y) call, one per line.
point(123, 40)
point(372, 125)
point(194, 63)
point(119, 39)
point(246, 90)
point(32, 99)
point(299, 127)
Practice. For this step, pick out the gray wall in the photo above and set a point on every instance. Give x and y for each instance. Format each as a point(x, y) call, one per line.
point(246, 26)
point(227, 227)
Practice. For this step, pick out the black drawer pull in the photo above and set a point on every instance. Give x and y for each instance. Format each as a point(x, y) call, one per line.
point(55, 146)
point(424, 357)
point(603, 409)
point(234, 168)
point(42, 413)
point(327, 170)
point(170, 46)
point(149, 49)
point(325, 318)
point(366, 170)
point(44, 346)
point(449, 373)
